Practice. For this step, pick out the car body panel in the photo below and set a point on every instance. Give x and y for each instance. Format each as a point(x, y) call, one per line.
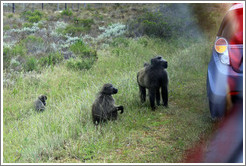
point(224, 79)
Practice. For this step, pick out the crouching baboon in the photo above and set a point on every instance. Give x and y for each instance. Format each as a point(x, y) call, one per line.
point(103, 108)
point(154, 77)
point(40, 103)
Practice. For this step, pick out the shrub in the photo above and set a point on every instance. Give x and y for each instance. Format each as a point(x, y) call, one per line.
point(32, 17)
point(80, 49)
point(51, 59)
point(80, 64)
point(31, 64)
point(73, 30)
point(87, 23)
point(120, 41)
point(67, 12)
point(33, 39)
point(85, 56)
point(6, 27)
point(27, 24)
point(114, 30)
point(151, 24)
point(18, 50)
point(6, 57)
point(15, 64)
point(10, 15)
point(170, 20)
point(33, 44)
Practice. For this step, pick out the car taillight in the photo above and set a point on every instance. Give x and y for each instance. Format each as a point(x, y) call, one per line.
point(221, 47)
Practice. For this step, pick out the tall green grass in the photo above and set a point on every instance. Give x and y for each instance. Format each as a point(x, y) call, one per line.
point(64, 132)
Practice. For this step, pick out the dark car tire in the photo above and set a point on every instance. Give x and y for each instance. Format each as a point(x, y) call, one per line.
point(214, 110)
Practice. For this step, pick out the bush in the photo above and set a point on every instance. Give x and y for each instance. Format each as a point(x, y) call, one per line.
point(51, 59)
point(11, 52)
point(151, 24)
point(80, 64)
point(33, 44)
point(73, 30)
point(87, 23)
point(33, 39)
point(85, 56)
point(170, 20)
point(18, 50)
point(31, 64)
point(120, 41)
point(27, 24)
point(6, 57)
point(82, 50)
point(32, 17)
point(10, 15)
point(6, 27)
point(67, 12)
point(114, 30)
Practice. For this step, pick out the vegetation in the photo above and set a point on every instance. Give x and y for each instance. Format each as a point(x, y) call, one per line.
point(32, 17)
point(70, 69)
point(67, 12)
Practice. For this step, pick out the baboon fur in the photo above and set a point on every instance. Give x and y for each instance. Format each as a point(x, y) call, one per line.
point(40, 103)
point(154, 77)
point(103, 108)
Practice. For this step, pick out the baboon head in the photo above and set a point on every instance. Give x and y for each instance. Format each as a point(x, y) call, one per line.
point(146, 64)
point(108, 89)
point(43, 98)
point(159, 62)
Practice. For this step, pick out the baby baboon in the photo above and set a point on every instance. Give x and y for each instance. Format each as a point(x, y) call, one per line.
point(103, 108)
point(153, 77)
point(40, 103)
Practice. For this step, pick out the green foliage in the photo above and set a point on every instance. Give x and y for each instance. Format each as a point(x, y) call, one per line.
point(31, 64)
point(87, 23)
point(51, 59)
point(151, 24)
point(120, 41)
point(168, 21)
point(10, 15)
point(40, 25)
point(28, 24)
point(33, 39)
point(67, 12)
point(32, 17)
point(6, 27)
point(18, 50)
point(82, 50)
point(33, 44)
point(79, 26)
point(73, 30)
point(6, 57)
point(85, 56)
point(80, 64)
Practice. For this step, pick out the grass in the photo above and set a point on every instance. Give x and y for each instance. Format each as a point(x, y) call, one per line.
point(64, 132)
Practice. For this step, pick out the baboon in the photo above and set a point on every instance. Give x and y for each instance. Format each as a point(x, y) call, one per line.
point(40, 103)
point(154, 77)
point(146, 64)
point(103, 108)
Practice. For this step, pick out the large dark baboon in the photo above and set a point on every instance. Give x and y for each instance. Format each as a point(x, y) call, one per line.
point(40, 103)
point(154, 77)
point(103, 108)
